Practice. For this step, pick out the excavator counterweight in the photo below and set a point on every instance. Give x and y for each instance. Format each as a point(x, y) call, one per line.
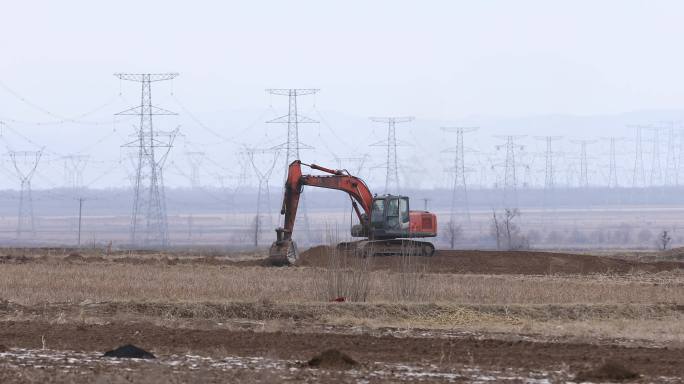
point(385, 222)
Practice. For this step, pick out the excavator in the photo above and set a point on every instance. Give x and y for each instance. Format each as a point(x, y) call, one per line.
point(385, 221)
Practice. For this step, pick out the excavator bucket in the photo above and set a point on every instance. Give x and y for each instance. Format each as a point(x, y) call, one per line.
point(282, 253)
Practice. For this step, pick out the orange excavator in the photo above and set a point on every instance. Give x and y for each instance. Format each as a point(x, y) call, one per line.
point(385, 222)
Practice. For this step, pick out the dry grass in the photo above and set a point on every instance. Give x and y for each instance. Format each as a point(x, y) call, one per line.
point(45, 283)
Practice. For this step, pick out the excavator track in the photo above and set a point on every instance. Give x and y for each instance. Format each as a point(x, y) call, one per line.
point(390, 247)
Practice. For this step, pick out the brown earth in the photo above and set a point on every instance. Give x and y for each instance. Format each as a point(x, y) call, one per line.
point(490, 353)
point(332, 359)
point(503, 262)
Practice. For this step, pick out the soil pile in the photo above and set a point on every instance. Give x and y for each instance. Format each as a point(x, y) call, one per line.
point(129, 351)
point(332, 359)
point(502, 262)
point(612, 371)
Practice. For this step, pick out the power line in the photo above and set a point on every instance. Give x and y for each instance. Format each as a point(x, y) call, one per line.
point(510, 192)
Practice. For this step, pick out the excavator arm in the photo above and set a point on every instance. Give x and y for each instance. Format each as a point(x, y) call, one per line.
point(283, 251)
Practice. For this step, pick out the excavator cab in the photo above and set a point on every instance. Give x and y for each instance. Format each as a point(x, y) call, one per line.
point(389, 217)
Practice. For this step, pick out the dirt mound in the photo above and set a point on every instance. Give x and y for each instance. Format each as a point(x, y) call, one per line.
point(129, 351)
point(10, 259)
point(3, 348)
point(503, 262)
point(610, 370)
point(74, 257)
point(332, 359)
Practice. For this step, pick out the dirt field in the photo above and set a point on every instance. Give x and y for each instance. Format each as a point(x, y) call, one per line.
point(455, 317)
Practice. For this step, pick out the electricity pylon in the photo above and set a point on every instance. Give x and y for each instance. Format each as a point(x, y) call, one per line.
point(152, 147)
point(263, 202)
point(510, 192)
point(639, 175)
point(671, 156)
point(195, 159)
point(656, 174)
point(391, 164)
point(584, 163)
point(459, 190)
point(293, 145)
point(613, 181)
point(25, 164)
point(74, 165)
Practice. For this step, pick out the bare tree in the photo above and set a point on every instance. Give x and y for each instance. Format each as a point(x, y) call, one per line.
point(664, 240)
point(508, 231)
point(511, 229)
point(496, 229)
point(453, 231)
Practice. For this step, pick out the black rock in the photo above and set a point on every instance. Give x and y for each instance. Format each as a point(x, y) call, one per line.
point(129, 351)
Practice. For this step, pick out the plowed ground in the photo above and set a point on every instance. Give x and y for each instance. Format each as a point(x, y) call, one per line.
point(503, 262)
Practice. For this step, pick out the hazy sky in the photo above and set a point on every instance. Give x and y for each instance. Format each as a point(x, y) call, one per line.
point(443, 59)
point(439, 60)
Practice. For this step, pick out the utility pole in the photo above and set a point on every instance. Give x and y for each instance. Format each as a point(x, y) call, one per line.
point(25, 164)
point(639, 175)
point(459, 190)
point(152, 147)
point(391, 163)
point(510, 196)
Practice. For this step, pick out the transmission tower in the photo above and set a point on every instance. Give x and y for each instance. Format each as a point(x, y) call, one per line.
point(680, 154)
point(74, 166)
point(357, 163)
point(263, 175)
point(639, 176)
point(671, 156)
point(612, 161)
point(25, 164)
point(510, 195)
point(584, 164)
point(459, 190)
point(292, 146)
point(656, 175)
point(292, 119)
point(195, 159)
point(549, 169)
point(391, 164)
point(149, 226)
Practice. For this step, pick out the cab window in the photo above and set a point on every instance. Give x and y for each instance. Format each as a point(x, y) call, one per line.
point(378, 212)
point(393, 208)
point(404, 210)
